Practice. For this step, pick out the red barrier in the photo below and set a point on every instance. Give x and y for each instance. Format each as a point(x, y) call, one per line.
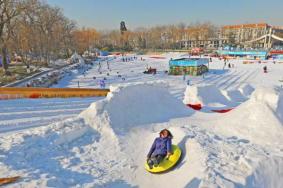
point(223, 110)
point(195, 106)
point(199, 107)
point(34, 96)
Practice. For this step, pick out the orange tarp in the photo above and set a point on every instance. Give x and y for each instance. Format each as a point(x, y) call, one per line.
point(28, 92)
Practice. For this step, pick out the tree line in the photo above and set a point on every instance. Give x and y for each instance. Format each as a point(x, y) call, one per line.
point(37, 32)
point(34, 31)
point(158, 37)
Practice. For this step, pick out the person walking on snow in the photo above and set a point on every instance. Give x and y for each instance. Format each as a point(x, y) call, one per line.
point(188, 82)
point(161, 148)
point(184, 75)
point(265, 69)
point(108, 67)
point(102, 84)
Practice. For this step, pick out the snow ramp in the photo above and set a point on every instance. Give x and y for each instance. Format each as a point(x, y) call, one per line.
point(205, 95)
point(209, 98)
point(130, 106)
point(255, 119)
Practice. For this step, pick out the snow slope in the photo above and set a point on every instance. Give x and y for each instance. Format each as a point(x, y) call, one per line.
point(91, 150)
point(26, 113)
point(124, 109)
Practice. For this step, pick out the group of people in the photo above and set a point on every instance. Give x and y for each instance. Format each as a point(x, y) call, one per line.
point(230, 65)
point(127, 59)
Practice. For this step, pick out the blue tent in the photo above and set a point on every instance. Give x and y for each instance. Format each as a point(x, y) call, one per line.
point(104, 53)
point(189, 66)
point(193, 62)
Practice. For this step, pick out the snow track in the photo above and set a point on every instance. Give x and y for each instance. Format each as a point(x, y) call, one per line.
point(27, 113)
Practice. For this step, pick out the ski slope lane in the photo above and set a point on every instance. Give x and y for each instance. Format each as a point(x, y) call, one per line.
point(26, 113)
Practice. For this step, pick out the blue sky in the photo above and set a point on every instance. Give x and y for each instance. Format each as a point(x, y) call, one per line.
point(107, 14)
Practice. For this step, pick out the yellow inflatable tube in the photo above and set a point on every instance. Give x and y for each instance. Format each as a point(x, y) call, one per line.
point(167, 164)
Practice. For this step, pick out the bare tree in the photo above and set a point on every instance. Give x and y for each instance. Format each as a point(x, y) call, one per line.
point(9, 10)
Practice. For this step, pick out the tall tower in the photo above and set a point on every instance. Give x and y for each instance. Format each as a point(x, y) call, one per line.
point(123, 27)
point(124, 35)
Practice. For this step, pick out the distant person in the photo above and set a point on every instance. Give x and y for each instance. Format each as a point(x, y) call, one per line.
point(108, 66)
point(102, 84)
point(265, 69)
point(99, 66)
point(161, 148)
point(229, 65)
point(224, 64)
point(188, 82)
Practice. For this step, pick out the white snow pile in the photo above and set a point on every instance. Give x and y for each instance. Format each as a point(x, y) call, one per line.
point(207, 95)
point(76, 58)
point(135, 105)
point(258, 119)
point(246, 90)
point(279, 110)
point(212, 97)
point(59, 62)
point(267, 174)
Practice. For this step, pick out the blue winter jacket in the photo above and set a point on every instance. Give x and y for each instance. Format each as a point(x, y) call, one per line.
point(160, 146)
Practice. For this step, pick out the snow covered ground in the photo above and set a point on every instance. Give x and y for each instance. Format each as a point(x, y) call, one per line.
point(102, 142)
point(27, 113)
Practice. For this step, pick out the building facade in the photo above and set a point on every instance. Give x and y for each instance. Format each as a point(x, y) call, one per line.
point(239, 34)
point(211, 43)
point(260, 35)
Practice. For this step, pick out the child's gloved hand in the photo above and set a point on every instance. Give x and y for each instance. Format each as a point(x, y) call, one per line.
point(168, 155)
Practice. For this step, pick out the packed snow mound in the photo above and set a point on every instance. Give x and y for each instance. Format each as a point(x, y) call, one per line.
point(266, 95)
point(269, 173)
point(279, 110)
point(236, 96)
point(76, 58)
point(246, 90)
point(255, 119)
point(133, 105)
point(59, 62)
point(207, 95)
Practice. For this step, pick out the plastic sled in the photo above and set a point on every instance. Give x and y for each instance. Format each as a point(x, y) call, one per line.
point(167, 164)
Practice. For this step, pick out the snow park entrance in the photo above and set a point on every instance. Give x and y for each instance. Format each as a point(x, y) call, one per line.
point(188, 66)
